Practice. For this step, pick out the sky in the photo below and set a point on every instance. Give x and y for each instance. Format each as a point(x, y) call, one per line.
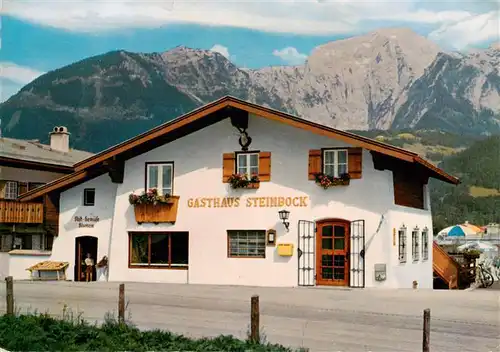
point(41, 35)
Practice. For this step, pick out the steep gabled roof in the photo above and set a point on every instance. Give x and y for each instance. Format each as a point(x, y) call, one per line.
point(190, 122)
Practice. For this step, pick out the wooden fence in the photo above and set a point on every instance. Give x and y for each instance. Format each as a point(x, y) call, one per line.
point(254, 313)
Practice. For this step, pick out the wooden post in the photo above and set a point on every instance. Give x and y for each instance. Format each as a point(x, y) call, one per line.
point(427, 330)
point(254, 319)
point(121, 304)
point(10, 295)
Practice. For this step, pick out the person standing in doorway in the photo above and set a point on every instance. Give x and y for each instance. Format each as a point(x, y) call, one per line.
point(89, 265)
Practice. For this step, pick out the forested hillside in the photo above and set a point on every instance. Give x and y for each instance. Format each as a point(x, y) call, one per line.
point(477, 198)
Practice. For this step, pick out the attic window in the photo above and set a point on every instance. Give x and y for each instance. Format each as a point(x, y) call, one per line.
point(247, 163)
point(89, 196)
point(335, 162)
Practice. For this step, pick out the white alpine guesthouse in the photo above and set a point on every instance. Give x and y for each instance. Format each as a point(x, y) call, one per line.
point(239, 194)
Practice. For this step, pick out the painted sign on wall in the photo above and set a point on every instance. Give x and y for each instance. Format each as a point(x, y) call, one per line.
point(249, 202)
point(86, 221)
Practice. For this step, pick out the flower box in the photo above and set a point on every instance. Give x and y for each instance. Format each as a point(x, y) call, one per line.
point(327, 181)
point(157, 213)
point(243, 181)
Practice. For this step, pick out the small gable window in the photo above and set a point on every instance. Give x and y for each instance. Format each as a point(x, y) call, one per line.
point(247, 163)
point(89, 196)
point(335, 162)
point(160, 176)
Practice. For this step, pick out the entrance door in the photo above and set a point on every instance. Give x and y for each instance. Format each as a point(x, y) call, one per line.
point(332, 248)
point(84, 245)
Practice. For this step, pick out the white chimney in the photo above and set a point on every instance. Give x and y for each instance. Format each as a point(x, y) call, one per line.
point(59, 139)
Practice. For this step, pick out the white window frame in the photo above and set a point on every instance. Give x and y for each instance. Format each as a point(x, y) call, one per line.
point(335, 163)
point(11, 190)
point(248, 167)
point(246, 243)
point(425, 243)
point(402, 238)
point(159, 185)
point(415, 245)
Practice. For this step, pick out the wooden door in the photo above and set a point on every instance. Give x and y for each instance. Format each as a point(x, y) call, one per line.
point(84, 245)
point(78, 260)
point(332, 253)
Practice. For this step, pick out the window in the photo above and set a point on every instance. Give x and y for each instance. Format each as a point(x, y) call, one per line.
point(415, 245)
point(89, 196)
point(402, 245)
point(425, 244)
point(166, 250)
point(160, 176)
point(335, 162)
point(247, 163)
point(11, 190)
point(246, 243)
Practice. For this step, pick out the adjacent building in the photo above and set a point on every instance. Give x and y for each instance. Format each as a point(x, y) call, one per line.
point(29, 228)
point(320, 206)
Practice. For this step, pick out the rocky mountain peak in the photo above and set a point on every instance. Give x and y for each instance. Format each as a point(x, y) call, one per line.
point(389, 78)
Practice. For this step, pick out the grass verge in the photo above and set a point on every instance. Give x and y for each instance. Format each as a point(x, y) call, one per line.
point(41, 332)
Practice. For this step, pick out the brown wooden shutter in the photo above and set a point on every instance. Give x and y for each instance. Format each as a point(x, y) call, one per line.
point(265, 166)
point(22, 188)
point(228, 166)
point(2, 189)
point(355, 162)
point(408, 189)
point(314, 163)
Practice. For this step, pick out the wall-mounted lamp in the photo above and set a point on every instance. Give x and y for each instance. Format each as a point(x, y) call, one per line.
point(284, 214)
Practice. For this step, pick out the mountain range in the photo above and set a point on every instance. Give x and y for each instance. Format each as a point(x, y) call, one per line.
point(387, 79)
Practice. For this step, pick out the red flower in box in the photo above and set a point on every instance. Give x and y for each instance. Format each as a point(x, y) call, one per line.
point(327, 181)
point(242, 180)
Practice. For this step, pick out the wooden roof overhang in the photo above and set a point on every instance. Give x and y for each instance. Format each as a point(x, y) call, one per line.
point(112, 159)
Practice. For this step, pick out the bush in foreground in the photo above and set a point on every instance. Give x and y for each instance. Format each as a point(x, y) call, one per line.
point(45, 333)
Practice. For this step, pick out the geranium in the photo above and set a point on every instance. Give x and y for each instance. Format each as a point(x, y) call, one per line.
point(242, 180)
point(327, 181)
point(149, 197)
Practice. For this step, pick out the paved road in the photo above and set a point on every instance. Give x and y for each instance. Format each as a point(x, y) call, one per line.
point(319, 318)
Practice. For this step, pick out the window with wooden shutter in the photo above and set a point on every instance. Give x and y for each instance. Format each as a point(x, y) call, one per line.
point(265, 166)
point(314, 163)
point(228, 166)
point(333, 162)
point(355, 161)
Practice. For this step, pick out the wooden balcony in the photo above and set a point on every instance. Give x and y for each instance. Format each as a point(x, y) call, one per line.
point(13, 212)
